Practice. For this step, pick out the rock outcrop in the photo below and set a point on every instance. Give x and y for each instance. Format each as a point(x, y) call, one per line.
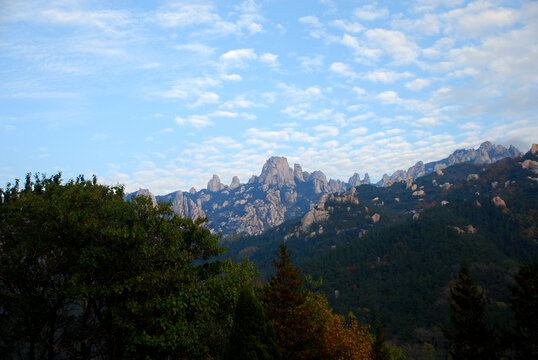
point(277, 194)
point(280, 193)
point(214, 184)
point(487, 153)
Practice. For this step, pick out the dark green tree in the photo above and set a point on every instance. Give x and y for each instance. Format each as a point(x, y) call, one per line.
point(380, 350)
point(524, 304)
point(253, 336)
point(470, 336)
point(285, 305)
point(86, 274)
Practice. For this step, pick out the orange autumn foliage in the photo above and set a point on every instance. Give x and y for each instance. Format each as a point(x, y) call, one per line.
point(340, 339)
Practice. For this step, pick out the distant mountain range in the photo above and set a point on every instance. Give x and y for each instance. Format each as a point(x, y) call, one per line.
point(281, 193)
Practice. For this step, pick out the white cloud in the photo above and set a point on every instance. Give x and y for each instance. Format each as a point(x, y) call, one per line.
point(231, 77)
point(370, 12)
point(281, 135)
point(330, 144)
point(311, 20)
point(207, 98)
point(195, 47)
point(358, 49)
point(428, 121)
point(270, 59)
point(238, 58)
point(299, 95)
point(220, 113)
point(310, 64)
point(394, 43)
point(240, 101)
point(197, 121)
point(358, 131)
point(417, 84)
point(386, 77)
point(352, 27)
point(342, 69)
point(389, 97)
point(182, 15)
point(478, 18)
point(326, 130)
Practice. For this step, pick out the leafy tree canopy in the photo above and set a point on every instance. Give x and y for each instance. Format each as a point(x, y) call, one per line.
point(84, 274)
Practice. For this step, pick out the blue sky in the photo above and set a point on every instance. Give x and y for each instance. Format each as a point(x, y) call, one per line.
point(162, 95)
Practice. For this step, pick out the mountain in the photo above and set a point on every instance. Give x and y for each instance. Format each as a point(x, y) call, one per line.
point(281, 193)
point(395, 250)
point(277, 194)
point(487, 153)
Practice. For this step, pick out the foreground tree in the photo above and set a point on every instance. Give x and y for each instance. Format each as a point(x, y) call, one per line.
point(85, 274)
point(253, 336)
point(305, 325)
point(524, 304)
point(470, 336)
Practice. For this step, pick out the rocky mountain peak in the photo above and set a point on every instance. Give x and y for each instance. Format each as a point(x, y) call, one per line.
point(276, 171)
point(298, 172)
point(214, 184)
point(366, 179)
point(354, 180)
point(235, 183)
point(534, 149)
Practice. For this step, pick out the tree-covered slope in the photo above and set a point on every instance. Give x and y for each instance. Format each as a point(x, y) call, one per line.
point(402, 261)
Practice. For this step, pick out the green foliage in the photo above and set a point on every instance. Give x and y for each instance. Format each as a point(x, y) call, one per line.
point(524, 304)
point(470, 336)
point(252, 336)
point(86, 274)
point(380, 350)
point(285, 304)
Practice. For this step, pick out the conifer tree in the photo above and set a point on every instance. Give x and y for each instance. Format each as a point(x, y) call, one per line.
point(285, 304)
point(379, 349)
point(470, 336)
point(252, 336)
point(524, 304)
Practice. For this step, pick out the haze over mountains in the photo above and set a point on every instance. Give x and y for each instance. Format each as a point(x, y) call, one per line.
point(281, 193)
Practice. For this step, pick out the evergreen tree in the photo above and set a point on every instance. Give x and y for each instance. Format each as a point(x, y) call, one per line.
point(470, 336)
point(524, 304)
point(285, 304)
point(379, 349)
point(253, 336)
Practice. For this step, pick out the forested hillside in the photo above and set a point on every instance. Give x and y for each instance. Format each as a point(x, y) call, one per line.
point(395, 251)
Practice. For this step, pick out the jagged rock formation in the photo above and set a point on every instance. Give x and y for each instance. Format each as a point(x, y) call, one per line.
point(487, 153)
point(142, 192)
point(214, 184)
point(267, 200)
point(280, 193)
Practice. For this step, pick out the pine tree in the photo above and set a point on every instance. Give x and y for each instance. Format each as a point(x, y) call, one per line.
point(379, 348)
point(252, 336)
point(470, 336)
point(524, 304)
point(285, 305)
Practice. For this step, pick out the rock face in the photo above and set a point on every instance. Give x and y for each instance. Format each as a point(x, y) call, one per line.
point(142, 192)
point(235, 183)
point(487, 153)
point(276, 171)
point(280, 193)
point(214, 184)
point(277, 194)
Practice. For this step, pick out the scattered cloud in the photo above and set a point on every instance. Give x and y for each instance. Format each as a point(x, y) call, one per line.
point(370, 12)
point(417, 84)
point(386, 77)
point(196, 121)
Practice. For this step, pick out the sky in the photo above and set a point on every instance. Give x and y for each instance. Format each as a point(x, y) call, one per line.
point(164, 94)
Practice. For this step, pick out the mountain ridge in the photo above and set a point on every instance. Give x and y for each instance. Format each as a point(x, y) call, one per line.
point(280, 193)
